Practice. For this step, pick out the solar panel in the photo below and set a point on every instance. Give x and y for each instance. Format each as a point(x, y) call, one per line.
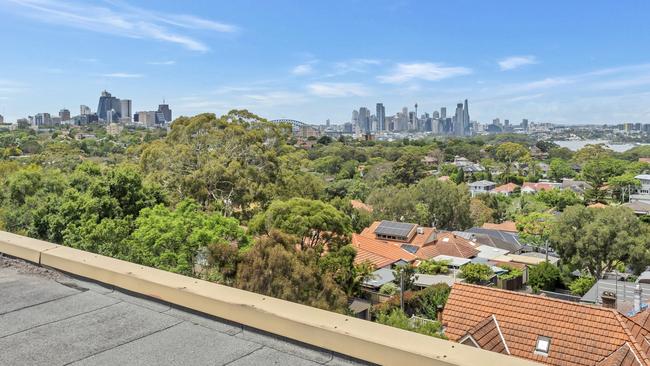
point(392, 228)
point(410, 248)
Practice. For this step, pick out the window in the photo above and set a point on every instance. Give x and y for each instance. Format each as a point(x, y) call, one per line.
point(543, 345)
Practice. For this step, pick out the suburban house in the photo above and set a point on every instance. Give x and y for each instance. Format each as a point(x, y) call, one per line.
point(385, 243)
point(642, 193)
point(529, 187)
point(481, 186)
point(502, 239)
point(639, 207)
point(577, 186)
point(505, 189)
point(544, 330)
point(509, 226)
point(467, 166)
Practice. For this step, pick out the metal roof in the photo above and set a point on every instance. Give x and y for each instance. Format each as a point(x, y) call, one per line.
point(453, 261)
point(380, 277)
point(393, 228)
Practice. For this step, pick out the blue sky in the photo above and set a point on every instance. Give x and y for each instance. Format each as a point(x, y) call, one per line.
point(554, 61)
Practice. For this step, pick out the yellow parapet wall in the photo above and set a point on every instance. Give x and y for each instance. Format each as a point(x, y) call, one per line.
point(354, 337)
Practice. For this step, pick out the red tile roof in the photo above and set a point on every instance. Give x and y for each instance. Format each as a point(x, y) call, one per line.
point(506, 188)
point(448, 244)
point(509, 226)
point(579, 334)
point(360, 205)
point(379, 248)
point(375, 259)
point(487, 335)
point(417, 239)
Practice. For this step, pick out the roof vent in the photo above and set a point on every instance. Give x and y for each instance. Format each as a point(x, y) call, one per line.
point(420, 230)
point(543, 345)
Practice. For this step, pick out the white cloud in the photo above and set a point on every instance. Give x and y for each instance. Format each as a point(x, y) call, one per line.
point(358, 65)
point(303, 69)
point(122, 20)
point(122, 75)
point(424, 71)
point(514, 62)
point(337, 89)
point(162, 63)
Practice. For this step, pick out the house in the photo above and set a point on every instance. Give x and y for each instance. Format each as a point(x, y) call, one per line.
point(530, 187)
point(448, 244)
point(505, 189)
point(481, 186)
point(499, 239)
point(542, 329)
point(467, 166)
point(379, 253)
point(639, 207)
point(577, 186)
point(642, 193)
point(644, 160)
point(358, 205)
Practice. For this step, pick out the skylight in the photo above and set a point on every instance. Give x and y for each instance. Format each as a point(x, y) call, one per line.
point(543, 345)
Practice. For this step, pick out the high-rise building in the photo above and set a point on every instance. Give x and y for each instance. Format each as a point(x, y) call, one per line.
point(84, 110)
point(42, 119)
point(443, 112)
point(355, 117)
point(148, 119)
point(381, 117)
point(167, 113)
point(524, 124)
point(126, 110)
point(107, 102)
point(64, 114)
point(364, 120)
point(436, 115)
point(2, 119)
point(459, 118)
point(327, 122)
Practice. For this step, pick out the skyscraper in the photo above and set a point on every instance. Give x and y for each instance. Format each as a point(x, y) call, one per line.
point(355, 117)
point(164, 109)
point(84, 110)
point(107, 102)
point(381, 117)
point(2, 119)
point(364, 120)
point(524, 124)
point(459, 119)
point(126, 110)
point(443, 112)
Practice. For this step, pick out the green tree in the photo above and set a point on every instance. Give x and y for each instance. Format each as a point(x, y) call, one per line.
point(558, 199)
point(172, 239)
point(315, 223)
point(580, 286)
point(476, 272)
point(543, 276)
point(408, 169)
point(622, 186)
point(433, 267)
point(535, 229)
point(597, 239)
point(510, 152)
point(559, 169)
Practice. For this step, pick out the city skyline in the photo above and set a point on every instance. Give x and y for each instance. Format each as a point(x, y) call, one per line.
point(522, 61)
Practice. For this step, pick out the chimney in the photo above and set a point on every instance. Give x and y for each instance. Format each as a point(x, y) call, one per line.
point(637, 298)
point(609, 299)
point(439, 313)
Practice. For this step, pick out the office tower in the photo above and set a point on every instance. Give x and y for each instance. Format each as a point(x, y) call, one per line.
point(443, 112)
point(459, 119)
point(364, 120)
point(355, 117)
point(84, 110)
point(167, 113)
point(64, 114)
point(381, 117)
point(327, 123)
point(126, 110)
point(412, 121)
point(524, 124)
point(436, 115)
point(107, 102)
point(148, 119)
point(2, 119)
point(496, 122)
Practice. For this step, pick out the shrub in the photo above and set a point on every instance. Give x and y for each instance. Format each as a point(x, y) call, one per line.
point(544, 276)
point(433, 267)
point(580, 286)
point(476, 272)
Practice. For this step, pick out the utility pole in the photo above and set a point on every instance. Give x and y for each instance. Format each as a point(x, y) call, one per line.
point(401, 289)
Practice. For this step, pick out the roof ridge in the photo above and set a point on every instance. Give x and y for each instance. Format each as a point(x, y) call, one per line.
point(639, 351)
point(503, 339)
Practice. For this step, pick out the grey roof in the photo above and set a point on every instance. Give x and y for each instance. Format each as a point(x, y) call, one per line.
point(380, 277)
point(498, 239)
point(394, 228)
point(638, 206)
point(410, 248)
point(482, 183)
point(425, 280)
point(624, 291)
point(551, 258)
point(52, 319)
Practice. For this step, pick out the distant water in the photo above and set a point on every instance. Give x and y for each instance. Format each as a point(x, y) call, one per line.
point(575, 145)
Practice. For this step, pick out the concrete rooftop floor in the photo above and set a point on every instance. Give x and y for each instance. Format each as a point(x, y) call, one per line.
point(49, 318)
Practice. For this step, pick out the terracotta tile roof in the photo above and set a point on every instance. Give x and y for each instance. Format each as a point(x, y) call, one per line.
point(622, 356)
point(382, 249)
point(538, 186)
point(579, 334)
point(487, 336)
point(417, 240)
point(444, 178)
point(375, 259)
point(448, 244)
point(597, 205)
point(506, 188)
point(508, 226)
point(360, 205)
